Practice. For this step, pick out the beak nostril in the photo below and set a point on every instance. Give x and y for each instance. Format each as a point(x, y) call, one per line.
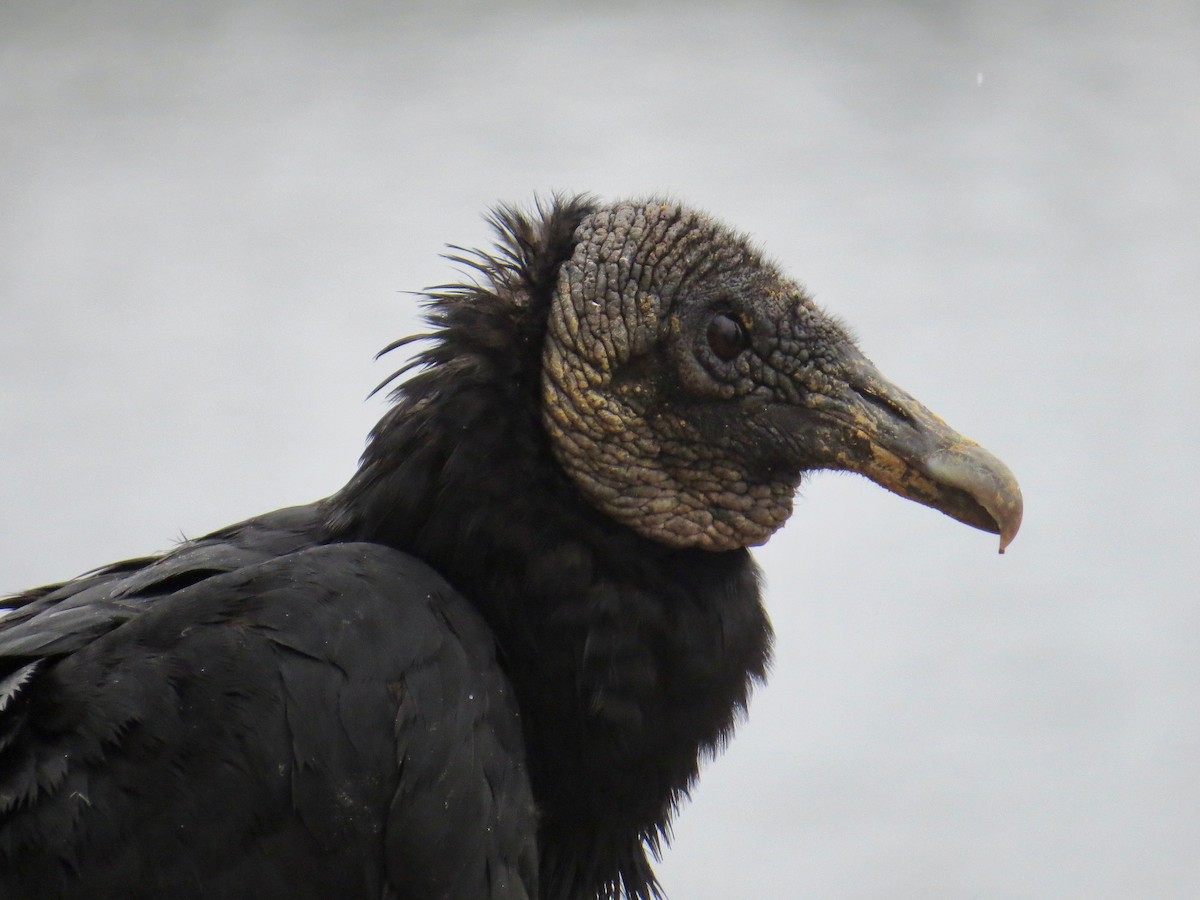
point(882, 401)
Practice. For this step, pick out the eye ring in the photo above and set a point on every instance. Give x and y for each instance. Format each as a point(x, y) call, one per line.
point(727, 337)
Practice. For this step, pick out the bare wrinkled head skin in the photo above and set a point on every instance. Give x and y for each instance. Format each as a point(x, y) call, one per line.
point(641, 281)
point(688, 385)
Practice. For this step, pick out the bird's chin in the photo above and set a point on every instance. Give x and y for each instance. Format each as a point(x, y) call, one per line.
point(714, 519)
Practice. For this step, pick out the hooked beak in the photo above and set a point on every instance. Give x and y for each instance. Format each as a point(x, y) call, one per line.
point(870, 426)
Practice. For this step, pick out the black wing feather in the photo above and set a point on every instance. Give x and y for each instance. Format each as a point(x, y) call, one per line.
point(317, 704)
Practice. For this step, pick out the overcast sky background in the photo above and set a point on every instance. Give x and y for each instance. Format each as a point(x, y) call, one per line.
point(209, 214)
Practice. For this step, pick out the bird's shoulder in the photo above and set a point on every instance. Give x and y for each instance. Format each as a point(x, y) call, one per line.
point(60, 618)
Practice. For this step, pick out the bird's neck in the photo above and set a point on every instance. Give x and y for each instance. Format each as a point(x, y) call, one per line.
point(629, 659)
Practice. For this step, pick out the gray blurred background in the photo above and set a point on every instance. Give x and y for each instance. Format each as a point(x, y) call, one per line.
point(209, 214)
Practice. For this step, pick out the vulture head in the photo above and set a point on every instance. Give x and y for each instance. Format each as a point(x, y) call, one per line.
point(687, 384)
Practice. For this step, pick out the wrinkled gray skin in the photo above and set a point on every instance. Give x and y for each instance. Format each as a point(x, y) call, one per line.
point(629, 338)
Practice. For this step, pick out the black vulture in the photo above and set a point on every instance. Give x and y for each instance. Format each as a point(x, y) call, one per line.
point(489, 665)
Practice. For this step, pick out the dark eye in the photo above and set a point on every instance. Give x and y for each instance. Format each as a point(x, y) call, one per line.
point(727, 336)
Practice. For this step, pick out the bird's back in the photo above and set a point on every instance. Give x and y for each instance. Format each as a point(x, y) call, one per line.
point(258, 714)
